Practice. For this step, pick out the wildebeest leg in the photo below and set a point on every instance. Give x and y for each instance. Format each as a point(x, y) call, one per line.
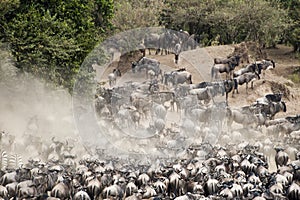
point(157, 51)
point(226, 98)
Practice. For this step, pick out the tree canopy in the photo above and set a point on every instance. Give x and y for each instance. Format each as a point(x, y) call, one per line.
point(51, 38)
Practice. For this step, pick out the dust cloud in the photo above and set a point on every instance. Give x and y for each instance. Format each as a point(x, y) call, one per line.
point(32, 106)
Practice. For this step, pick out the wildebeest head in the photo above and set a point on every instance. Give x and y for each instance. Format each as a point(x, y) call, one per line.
point(272, 61)
point(234, 61)
point(278, 148)
point(274, 97)
point(228, 84)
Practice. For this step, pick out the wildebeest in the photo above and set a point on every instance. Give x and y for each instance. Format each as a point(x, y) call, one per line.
point(249, 68)
point(245, 78)
point(246, 118)
point(264, 65)
point(178, 77)
point(177, 50)
point(224, 65)
point(167, 41)
point(168, 77)
point(112, 77)
point(281, 157)
point(293, 191)
point(151, 41)
point(147, 64)
point(271, 109)
point(62, 189)
point(208, 93)
point(268, 98)
point(228, 87)
point(81, 195)
point(163, 98)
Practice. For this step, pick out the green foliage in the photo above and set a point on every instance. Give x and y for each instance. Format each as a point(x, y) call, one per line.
point(136, 14)
point(293, 32)
point(233, 21)
point(295, 75)
point(52, 38)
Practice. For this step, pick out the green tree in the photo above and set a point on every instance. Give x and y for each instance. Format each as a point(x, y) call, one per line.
point(136, 14)
point(292, 35)
point(231, 20)
point(52, 38)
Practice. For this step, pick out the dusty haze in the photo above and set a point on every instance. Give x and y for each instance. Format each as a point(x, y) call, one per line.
point(29, 105)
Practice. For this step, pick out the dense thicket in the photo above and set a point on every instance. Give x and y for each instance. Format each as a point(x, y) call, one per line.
point(51, 38)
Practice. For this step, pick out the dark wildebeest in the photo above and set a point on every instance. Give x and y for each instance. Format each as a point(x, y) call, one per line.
point(228, 86)
point(273, 108)
point(293, 191)
point(224, 65)
point(269, 98)
point(281, 157)
point(274, 97)
point(245, 78)
point(264, 65)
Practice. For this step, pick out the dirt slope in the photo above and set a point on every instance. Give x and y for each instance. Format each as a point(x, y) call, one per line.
point(199, 62)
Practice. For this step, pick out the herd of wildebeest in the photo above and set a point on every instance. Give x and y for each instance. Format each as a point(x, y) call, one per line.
point(211, 151)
